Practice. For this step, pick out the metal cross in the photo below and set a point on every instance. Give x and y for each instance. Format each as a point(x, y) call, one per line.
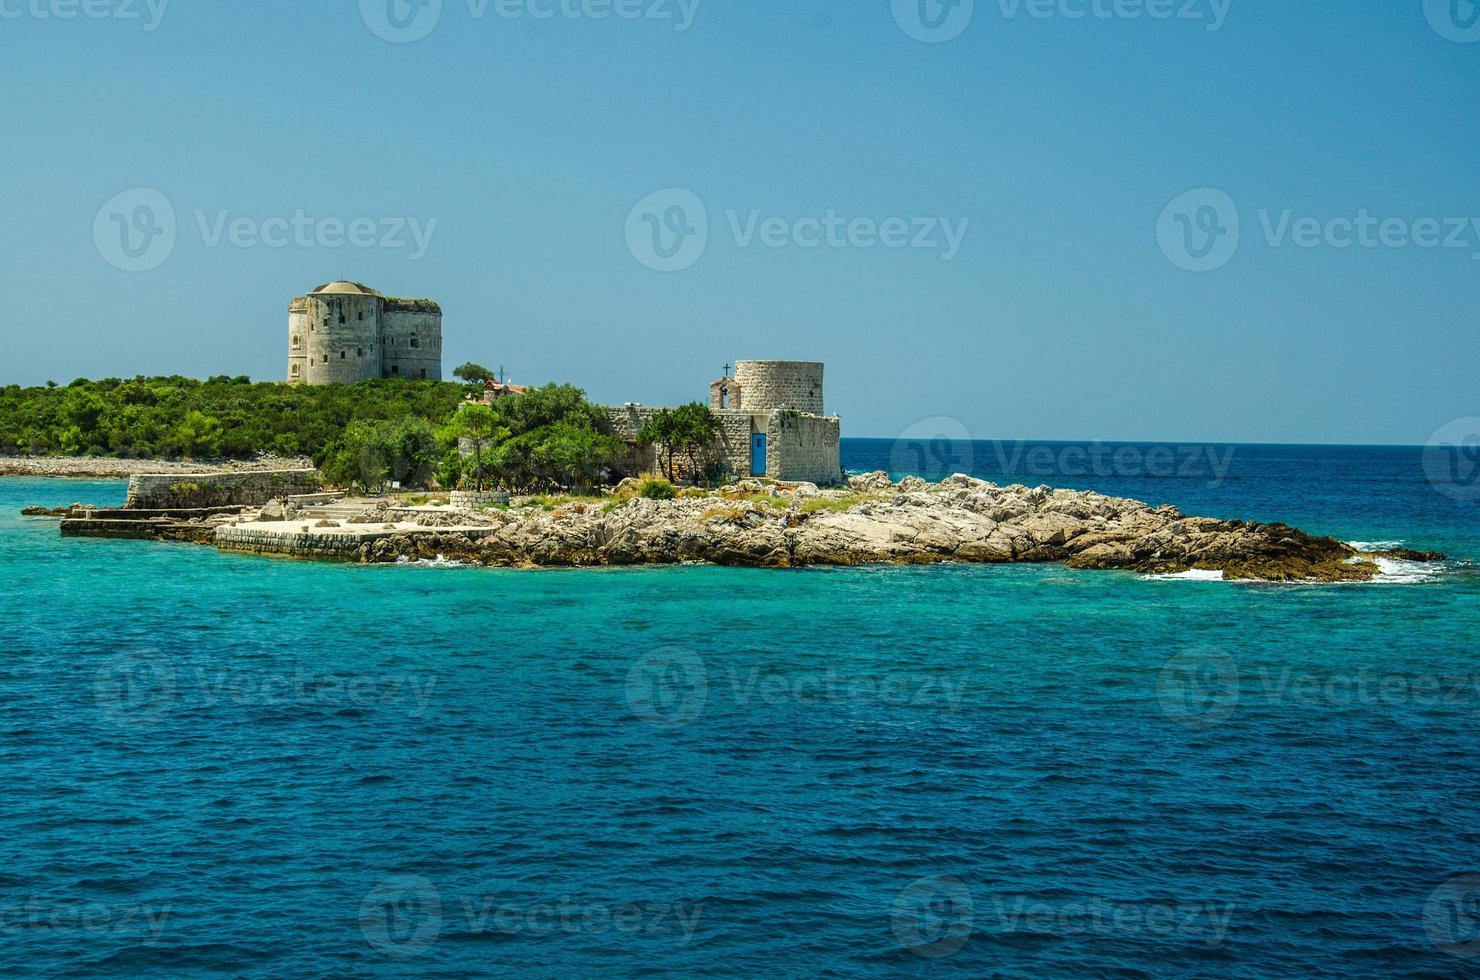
point(727, 369)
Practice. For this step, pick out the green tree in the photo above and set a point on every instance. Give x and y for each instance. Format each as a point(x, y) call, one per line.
point(474, 427)
point(690, 430)
point(474, 373)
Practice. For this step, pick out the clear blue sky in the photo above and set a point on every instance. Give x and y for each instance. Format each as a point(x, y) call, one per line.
point(530, 140)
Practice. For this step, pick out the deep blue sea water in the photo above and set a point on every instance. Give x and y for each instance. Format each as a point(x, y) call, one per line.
point(219, 765)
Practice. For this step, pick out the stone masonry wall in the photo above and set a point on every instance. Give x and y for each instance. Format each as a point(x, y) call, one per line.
point(766, 386)
point(161, 491)
point(734, 443)
point(804, 448)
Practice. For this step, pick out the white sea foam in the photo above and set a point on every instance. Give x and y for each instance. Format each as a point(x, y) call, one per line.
point(1194, 575)
point(1395, 571)
point(1376, 545)
point(438, 562)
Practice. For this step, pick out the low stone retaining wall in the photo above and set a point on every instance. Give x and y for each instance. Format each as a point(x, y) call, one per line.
point(162, 491)
point(473, 499)
point(293, 542)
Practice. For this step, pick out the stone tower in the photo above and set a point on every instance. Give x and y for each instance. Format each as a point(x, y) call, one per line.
point(344, 332)
point(766, 386)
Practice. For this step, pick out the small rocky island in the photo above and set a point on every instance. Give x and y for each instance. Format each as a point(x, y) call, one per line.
point(751, 523)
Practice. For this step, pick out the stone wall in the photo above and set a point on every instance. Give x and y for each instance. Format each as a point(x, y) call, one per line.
point(160, 491)
point(403, 328)
point(734, 443)
point(766, 386)
point(804, 448)
point(627, 422)
point(343, 341)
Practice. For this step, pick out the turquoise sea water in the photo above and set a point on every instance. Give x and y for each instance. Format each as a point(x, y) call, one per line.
point(221, 765)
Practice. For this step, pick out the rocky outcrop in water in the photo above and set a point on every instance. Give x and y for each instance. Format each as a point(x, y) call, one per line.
point(961, 519)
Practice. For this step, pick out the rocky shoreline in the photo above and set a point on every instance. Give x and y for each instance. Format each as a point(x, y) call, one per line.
point(107, 467)
point(873, 521)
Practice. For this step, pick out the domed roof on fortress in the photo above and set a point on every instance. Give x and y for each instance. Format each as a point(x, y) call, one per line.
point(343, 287)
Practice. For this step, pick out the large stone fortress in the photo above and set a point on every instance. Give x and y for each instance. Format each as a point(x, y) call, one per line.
point(344, 332)
point(772, 420)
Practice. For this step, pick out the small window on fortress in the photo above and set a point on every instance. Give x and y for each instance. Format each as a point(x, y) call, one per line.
point(396, 369)
point(423, 374)
point(359, 352)
point(341, 318)
point(297, 341)
point(361, 316)
point(326, 321)
point(295, 370)
point(341, 355)
point(415, 342)
point(326, 358)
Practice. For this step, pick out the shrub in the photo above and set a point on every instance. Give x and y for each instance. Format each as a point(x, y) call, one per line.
point(657, 490)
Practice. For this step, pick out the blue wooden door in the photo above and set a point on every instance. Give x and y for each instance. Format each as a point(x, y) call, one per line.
point(758, 454)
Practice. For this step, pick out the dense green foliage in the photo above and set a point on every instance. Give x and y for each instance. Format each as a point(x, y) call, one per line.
point(176, 417)
point(690, 430)
point(548, 439)
point(363, 435)
point(474, 373)
point(657, 490)
point(370, 454)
